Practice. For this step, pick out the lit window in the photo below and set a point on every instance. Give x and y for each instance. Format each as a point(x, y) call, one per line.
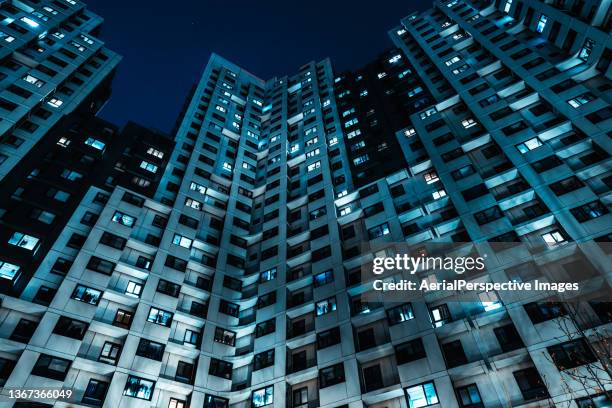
point(427, 113)
point(78, 46)
point(263, 397)
point(333, 141)
point(312, 141)
point(381, 75)
point(399, 314)
point(313, 153)
point(404, 73)
point(86, 39)
point(196, 205)
point(294, 148)
point(586, 50)
point(353, 133)
point(351, 122)
point(460, 69)
point(58, 35)
point(137, 387)
point(8, 38)
point(361, 159)
point(378, 231)
point(457, 36)
point(342, 194)
point(23, 241)
point(86, 295)
point(95, 143)
point(314, 166)
point(29, 22)
point(56, 103)
point(581, 100)
point(422, 395)
point(150, 167)
point(451, 61)
point(489, 301)
point(439, 315)
point(9, 271)
point(326, 103)
point(124, 219)
point(507, 6)
point(529, 145)
point(182, 241)
point(63, 141)
point(326, 306)
point(267, 275)
point(553, 238)
point(220, 108)
point(438, 194)
point(401, 32)
point(431, 177)
point(155, 153)
point(395, 58)
point(310, 130)
point(415, 91)
point(34, 81)
point(197, 187)
point(160, 317)
point(468, 123)
point(133, 289)
point(227, 166)
point(348, 112)
point(345, 211)
point(541, 23)
point(409, 132)
point(363, 93)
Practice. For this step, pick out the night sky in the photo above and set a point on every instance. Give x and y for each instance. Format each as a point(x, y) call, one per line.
point(165, 44)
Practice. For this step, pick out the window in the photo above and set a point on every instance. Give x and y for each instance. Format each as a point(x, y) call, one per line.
point(590, 211)
point(594, 401)
point(541, 23)
point(566, 185)
point(123, 319)
point(133, 289)
point(529, 145)
point(176, 263)
point(331, 375)
point(160, 317)
point(137, 387)
point(469, 396)
point(113, 240)
point(150, 167)
point(553, 238)
point(586, 50)
point(507, 5)
point(399, 314)
point(571, 354)
point(95, 393)
point(95, 143)
point(150, 349)
point(530, 383)
point(176, 403)
point(75, 329)
point(489, 301)
point(110, 353)
point(326, 306)
point(184, 372)
point(220, 368)
point(182, 241)
point(229, 308)
point(24, 330)
point(454, 355)
point(378, 231)
point(267, 275)
point(24, 241)
point(71, 175)
point(86, 295)
point(265, 328)
point(124, 219)
point(211, 401)
point(168, 288)
point(262, 397)
point(508, 338)
point(224, 336)
point(263, 360)
point(488, 215)
point(542, 311)
point(328, 338)
point(156, 153)
point(468, 123)
point(431, 177)
point(410, 351)
point(580, 100)
point(314, 166)
point(422, 395)
point(9, 272)
point(439, 315)
point(51, 367)
point(323, 278)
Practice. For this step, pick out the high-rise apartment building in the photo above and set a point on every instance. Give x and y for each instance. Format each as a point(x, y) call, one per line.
point(240, 281)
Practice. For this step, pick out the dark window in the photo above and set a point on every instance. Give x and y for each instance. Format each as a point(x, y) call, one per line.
point(229, 308)
point(328, 338)
point(331, 376)
point(542, 311)
point(24, 331)
point(265, 328)
point(263, 360)
point(454, 354)
point(530, 384)
point(184, 372)
point(176, 263)
point(590, 211)
point(469, 396)
point(399, 314)
point(566, 185)
point(508, 338)
point(95, 393)
point(150, 349)
point(211, 401)
point(225, 336)
point(51, 367)
point(168, 288)
point(571, 354)
point(409, 351)
point(220, 368)
point(74, 329)
point(100, 265)
point(113, 240)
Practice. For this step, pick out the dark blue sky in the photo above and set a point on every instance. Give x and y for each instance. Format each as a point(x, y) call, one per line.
point(165, 44)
